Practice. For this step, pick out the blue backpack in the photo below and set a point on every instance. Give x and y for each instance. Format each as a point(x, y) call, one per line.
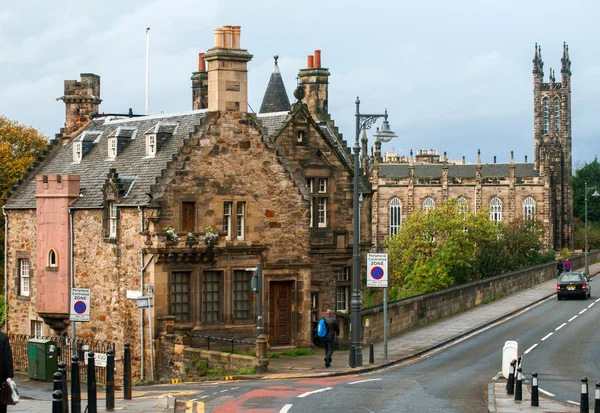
point(322, 328)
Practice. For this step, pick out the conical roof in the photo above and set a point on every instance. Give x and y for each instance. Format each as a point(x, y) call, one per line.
point(276, 98)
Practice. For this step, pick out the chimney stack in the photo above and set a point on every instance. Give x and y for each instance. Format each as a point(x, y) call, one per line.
point(200, 85)
point(82, 99)
point(315, 80)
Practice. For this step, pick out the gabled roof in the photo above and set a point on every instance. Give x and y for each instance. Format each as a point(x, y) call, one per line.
point(137, 171)
point(276, 98)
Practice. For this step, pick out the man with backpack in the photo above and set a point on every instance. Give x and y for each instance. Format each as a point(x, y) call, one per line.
point(333, 329)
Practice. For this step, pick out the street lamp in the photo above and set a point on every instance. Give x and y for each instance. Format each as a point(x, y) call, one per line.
point(385, 135)
point(585, 254)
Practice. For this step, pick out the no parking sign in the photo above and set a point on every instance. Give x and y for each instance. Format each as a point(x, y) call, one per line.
point(377, 270)
point(80, 304)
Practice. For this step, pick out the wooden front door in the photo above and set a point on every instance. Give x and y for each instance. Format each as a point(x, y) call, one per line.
point(280, 312)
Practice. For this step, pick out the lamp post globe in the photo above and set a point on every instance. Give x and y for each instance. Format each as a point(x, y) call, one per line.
point(385, 134)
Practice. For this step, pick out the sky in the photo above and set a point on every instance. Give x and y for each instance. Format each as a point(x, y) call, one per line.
point(455, 76)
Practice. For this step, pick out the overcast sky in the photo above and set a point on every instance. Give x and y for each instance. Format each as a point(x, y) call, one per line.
point(454, 75)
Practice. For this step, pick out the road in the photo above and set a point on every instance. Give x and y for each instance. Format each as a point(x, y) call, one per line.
point(560, 339)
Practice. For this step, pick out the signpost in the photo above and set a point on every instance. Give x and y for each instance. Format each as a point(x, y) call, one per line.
point(377, 276)
point(80, 304)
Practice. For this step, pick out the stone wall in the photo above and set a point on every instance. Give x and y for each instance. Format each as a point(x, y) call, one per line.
point(416, 311)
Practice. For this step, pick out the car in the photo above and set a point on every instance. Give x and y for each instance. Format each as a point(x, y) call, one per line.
point(573, 284)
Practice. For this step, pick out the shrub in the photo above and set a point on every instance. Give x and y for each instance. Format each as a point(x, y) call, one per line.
point(242, 372)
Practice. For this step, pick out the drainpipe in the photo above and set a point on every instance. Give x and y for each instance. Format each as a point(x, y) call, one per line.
point(72, 277)
point(143, 270)
point(5, 269)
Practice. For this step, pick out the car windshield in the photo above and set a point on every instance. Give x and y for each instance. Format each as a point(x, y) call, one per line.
point(570, 276)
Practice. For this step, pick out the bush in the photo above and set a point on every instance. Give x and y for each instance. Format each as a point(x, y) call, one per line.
point(275, 355)
point(242, 372)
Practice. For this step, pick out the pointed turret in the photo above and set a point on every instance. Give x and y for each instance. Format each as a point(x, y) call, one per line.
point(538, 63)
point(276, 98)
point(566, 65)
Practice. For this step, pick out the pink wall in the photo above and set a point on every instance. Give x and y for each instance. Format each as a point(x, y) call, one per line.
point(54, 194)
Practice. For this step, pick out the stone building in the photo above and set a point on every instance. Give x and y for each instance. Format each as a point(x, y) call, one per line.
point(541, 189)
point(180, 207)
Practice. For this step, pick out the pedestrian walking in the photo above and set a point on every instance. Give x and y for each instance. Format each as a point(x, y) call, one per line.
point(567, 265)
point(6, 363)
point(333, 329)
point(559, 266)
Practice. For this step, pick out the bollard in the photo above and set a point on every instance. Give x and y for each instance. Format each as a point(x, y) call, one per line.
point(510, 383)
point(75, 386)
point(62, 369)
point(58, 384)
point(584, 405)
point(597, 398)
point(519, 386)
point(371, 354)
point(110, 379)
point(127, 372)
point(535, 398)
point(352, 357)
point(57, 401)
point(91, 383)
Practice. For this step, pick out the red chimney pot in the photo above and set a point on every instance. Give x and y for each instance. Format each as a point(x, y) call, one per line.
point(317, 58)
point(310, 62)
point(201, 65)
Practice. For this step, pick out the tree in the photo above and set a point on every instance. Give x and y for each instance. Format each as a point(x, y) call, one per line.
point(590, 173)
point(19, 147)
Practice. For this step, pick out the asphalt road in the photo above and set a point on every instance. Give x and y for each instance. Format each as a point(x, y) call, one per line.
point(560, 337)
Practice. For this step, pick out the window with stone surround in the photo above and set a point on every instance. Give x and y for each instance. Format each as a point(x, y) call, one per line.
point(546, 105)
point(37, 328)
point(151, 145)
point(242, 296)
point(428, 203)
point(112, 148)
point(314, 306)
point(395, 216)
point(557, 114)
point(211, 296)
point(77, 152)
point(188, 216)
point(52, 260)
point(24, 277)
point(240, 222)
point(227, 206)
point(319, 201)
point(112, 220)
point(343, 290)
point(529, 209)
point(179, 297)
point(496, 209)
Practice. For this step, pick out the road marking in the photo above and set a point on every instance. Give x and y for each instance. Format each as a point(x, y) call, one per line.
point(547, 393)
point(286, 408)
point(572, 402)
point(234, 388)
point(204, 397)
point(531, 348)
point(597, 300)
point(560, 326)
point(590, 306)
point(363, 381)
point(572, 318)
point(223, 391)
point(583, 311)
point(548, 335)
point(308, 393)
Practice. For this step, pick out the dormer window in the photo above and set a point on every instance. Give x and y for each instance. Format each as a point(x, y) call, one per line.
point(77, 152)
point(112, 148)
point(151, 145)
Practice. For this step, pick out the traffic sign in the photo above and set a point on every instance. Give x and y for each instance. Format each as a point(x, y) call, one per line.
point(377, 270)
point(80, 304)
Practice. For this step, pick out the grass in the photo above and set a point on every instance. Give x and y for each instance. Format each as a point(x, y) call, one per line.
point(298, 352)
point(242, 372)
point(251, 353)
point(275, 355)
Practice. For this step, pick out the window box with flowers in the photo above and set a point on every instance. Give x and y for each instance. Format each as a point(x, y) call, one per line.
point(211, 236)
point(168, 235)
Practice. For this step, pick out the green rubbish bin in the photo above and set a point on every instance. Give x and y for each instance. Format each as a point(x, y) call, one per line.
point(42, 360)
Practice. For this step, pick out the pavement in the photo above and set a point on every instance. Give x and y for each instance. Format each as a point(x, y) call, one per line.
point(37, 395)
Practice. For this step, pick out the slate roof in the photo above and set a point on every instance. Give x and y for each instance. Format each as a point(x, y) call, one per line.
point(395, 170)
point(272, 123)
point(276, 98)
point(137, 172)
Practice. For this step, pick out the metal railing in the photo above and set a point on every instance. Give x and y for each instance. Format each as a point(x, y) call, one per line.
point(233, 341)
point(64, 345)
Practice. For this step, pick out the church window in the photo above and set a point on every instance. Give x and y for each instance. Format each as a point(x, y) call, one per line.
point(529, 208)
point(496, 209)
point(112, 148)
point(24, 277)
point(395, 216)
point(180, 295)
point(557, 114)
point(428, 203)
point(546, 116)
point(52, 259)
point(463, 205)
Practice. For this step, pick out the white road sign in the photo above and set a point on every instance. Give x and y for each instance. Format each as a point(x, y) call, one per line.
point(80, 304)
point(99, 359)
point(377, 270)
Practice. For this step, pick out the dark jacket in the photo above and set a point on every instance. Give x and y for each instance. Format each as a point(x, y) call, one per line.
point(333, 328)
point(6, 361)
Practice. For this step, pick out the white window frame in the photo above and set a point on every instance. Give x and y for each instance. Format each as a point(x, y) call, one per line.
point(227, 207)
point(557, 114)
point(309, 185)
point(463, 205)
point(240, 213)
point(112, 148)
point(342, 295)
point(77, 151)
point(151, 145)
point(37, 330)
point(322, 213)
point(322, 185)
point(395, 216)
point(428, 203)
point(529, 208)
point(546, 107)
point(24, 277)
point(112, 220)
point(496, 209)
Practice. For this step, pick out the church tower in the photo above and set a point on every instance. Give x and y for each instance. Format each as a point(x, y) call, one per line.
point(552, 147)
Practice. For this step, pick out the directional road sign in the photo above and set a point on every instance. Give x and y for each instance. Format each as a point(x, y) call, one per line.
point(80, 304)
point(377, 270)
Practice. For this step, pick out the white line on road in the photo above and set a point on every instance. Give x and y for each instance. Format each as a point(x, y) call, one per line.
point(590, 306)
point(204, 397)
point(583, 311)
point(363, 381)
point(548, 335)
point(560, 326)
point(572, 402)
point(573, 318)
point(531, 348)
point(547, 393)
point(234, 388)
point(597, 300)
point(308, 393)
point(223, 391)
point(286, 408)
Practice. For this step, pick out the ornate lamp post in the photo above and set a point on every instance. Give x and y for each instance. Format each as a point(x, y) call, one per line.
point(385, 135)
point(585, 254)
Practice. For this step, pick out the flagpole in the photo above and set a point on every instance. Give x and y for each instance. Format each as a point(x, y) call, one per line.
point(147, 68)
